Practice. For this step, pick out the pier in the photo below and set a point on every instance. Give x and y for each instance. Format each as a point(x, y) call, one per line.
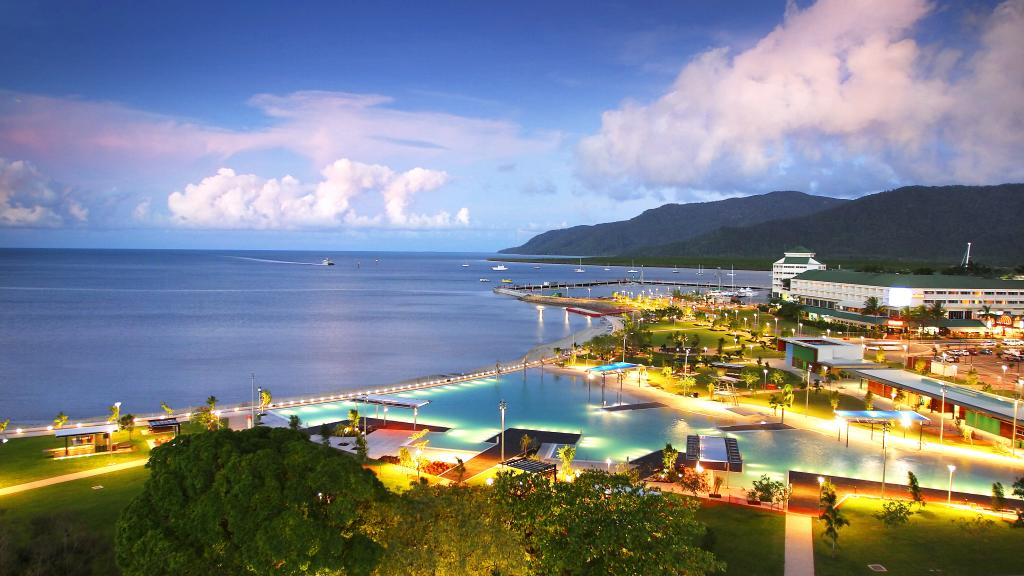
point(513, 289)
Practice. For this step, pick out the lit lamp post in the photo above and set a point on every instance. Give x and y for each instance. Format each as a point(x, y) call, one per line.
point(776, 327)
point(942, 415)
point(885, 428)
point(765, 372)
point(949, 493)
point(1013, 434)
point(502, 406)
point(608, 464)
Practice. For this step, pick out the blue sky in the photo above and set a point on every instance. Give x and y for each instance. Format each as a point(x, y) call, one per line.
point(473, 126)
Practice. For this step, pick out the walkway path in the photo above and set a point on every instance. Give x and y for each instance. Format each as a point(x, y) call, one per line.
point(799, 545)
point(69, 477)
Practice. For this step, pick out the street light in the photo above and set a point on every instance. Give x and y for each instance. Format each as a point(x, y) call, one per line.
point(608, 463)
point(942, 415)
point(502, 405)
point(949, 493)
point(765, 371)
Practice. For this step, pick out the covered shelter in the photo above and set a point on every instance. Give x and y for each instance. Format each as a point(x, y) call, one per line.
point(714, 453)
point(532, 466)
point(885, 418)
point(982, 411)
point(164, 426)
point(613, 367)
point(619, 369)
point(81, 441)
point(388, 401)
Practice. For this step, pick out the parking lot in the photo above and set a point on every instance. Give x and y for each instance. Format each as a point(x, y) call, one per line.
point(981, 356)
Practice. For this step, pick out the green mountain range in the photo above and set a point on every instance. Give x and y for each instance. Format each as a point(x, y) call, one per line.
point(673, 223)
point(913, 223)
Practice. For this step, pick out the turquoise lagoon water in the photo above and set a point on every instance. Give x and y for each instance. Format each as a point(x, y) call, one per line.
point(559, 402)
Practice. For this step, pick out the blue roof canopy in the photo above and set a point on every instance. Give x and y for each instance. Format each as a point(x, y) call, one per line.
point(881, 415)
point(613, 367)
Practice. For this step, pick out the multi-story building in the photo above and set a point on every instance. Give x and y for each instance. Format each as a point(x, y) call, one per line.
point(970, 303)
point(794, 262)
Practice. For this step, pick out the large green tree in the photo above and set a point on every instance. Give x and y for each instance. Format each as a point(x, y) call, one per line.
point(433, 530)
point(260, 501)
point(602, 524)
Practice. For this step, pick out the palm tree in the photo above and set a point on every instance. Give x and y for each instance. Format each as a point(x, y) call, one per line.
point(869, 400)
point(833, 399)
point(937, 311)
point(986, 312)
point(115, 413)
point(830, 514)
point(4, 424)
point(127, 422)
point(167, 409)
point(60, 420)
point(872, 306)
point(265, 399)
point(567, 453)
point(353, 420)
point(786, 401)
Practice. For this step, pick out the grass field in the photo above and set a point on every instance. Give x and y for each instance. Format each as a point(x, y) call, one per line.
point(95, 511)
point(818, 402)
point(751, 542)
point(934, 542)
point(24, 460)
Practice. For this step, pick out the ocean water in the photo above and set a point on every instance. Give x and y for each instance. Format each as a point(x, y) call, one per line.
point(81, 329)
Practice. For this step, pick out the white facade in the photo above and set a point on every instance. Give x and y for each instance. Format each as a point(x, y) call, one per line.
point(961, 296)
point(791, 264)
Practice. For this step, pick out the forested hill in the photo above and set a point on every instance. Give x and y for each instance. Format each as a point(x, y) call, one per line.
point(914, 223)
point(673, 223)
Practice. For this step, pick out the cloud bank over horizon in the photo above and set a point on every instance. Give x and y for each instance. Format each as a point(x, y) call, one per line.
point(839, 98)
point(832, 97)
point(228, 200)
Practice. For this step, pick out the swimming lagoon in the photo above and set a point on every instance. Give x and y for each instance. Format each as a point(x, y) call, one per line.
point(559, 402)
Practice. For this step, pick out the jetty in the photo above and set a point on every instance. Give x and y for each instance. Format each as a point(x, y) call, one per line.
point(516, 289)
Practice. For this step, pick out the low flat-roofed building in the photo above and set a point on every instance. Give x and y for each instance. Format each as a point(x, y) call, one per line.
point(815, 351)
point(982, 411)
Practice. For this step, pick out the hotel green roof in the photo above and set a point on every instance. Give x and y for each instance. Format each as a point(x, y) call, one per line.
point(796, 260)
point(843, 315)
point(908, 280)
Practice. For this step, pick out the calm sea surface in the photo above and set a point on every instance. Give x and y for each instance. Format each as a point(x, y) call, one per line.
point(81, 329)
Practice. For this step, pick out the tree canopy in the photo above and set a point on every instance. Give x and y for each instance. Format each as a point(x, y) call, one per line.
point(260, 501)
point(602, 524)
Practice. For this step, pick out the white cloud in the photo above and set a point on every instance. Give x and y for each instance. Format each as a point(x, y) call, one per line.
point(839, 94)
point(29, 199)
point(230, 200)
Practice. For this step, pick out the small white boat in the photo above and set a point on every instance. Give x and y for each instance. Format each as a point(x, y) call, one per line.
point(675, 270)
point(536, 267)
point(631, 271)
point(485, 280)
point(499, 268)
point(607, 269)
point(580, 270)
point(465, 265)
point(506, 281)
point(326, 262)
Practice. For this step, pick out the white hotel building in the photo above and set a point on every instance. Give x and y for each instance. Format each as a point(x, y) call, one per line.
point(794, 262)
point(840, 295)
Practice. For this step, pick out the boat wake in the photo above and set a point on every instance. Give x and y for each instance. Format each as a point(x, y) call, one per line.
point(279, 261)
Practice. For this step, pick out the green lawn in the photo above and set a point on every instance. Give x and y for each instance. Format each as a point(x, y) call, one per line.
point(95, 511)
point(932, 543)
point(24, 460)
point(750, 541)
point(818, 402)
